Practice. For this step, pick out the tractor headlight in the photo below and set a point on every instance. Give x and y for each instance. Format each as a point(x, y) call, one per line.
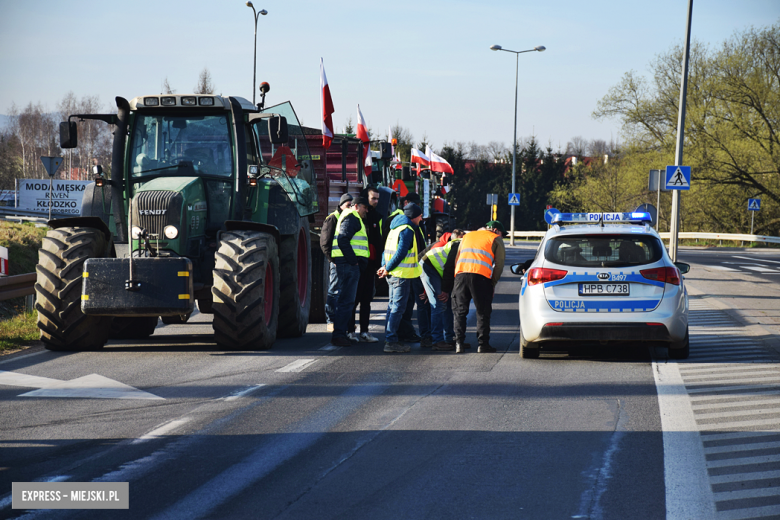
point(171, 232)
point(135, 232)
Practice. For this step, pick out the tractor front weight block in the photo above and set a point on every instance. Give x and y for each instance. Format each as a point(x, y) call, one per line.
point(159, 287)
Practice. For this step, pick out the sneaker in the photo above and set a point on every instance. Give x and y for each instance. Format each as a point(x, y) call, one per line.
point(396, 347)
point(465, 345)
point(460, 348)
point(485, 349)
point(366, 337)
point(353, 337)
point(329, 327)
point(341, 341)
point(443, 346)
point(426, 342)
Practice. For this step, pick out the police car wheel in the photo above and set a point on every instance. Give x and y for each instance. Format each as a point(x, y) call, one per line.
point(683, 352)
point(527, 350)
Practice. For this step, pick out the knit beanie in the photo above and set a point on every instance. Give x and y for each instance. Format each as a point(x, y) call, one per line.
point(345, 198)
point(412, 211)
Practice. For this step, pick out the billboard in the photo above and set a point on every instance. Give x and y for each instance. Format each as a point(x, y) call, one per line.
point(65, 196)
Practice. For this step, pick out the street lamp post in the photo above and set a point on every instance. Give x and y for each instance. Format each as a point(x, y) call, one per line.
point(539, 48)
point(254, 63)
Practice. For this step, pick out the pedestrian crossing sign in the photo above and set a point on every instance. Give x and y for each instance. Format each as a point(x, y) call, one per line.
point(754, 204)
point(678, 177)
point(514, 199)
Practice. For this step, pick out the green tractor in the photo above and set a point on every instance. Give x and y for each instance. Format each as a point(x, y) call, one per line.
point(206, 202)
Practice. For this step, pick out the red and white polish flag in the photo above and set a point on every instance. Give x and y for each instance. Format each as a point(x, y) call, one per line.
point(327, 109)
point(362, 134)
point(440, 164)
point(420, 158)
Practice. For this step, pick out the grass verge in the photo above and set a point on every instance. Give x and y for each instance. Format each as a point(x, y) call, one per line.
point(18, 332)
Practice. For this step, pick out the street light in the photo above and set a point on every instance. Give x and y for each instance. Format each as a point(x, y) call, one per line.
point(539, 48)
point(254, 72)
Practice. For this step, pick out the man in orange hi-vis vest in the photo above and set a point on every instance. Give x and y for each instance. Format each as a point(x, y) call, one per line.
point(478, 268)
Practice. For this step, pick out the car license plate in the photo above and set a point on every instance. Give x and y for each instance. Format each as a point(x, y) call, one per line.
point(604, 289)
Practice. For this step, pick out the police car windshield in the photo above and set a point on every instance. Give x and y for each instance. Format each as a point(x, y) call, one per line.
point(603, 250)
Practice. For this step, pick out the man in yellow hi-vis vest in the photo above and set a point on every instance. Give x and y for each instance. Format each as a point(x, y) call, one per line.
point(433, 262)
point(350, 254)
point(400, 267)
point(478, 268)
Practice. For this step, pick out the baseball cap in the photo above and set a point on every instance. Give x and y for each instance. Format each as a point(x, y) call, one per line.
point(495, 224)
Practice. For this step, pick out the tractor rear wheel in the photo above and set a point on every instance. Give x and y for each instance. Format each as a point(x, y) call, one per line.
point(442, 226)
point(295, 282)
point(58, 289)
point(320, 280)
point(246, 291)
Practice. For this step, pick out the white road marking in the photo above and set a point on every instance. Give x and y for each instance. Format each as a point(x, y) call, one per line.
point(17, 358)
point(757, 259)
point(720, 268)
point(297, 366)
point(242, 393)
point(761, 269)
point(92, 386)
point(329, 348)
point(688, 491)
point(162, 430)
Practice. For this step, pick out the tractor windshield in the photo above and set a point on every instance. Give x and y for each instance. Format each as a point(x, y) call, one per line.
point(199, 144)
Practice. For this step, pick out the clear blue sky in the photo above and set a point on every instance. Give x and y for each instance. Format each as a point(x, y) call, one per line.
point(424, 65)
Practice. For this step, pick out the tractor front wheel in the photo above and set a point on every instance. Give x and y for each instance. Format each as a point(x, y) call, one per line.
point(58, 289)
point(246, 291)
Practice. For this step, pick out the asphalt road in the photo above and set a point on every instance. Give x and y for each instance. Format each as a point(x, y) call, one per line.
point(307, 431)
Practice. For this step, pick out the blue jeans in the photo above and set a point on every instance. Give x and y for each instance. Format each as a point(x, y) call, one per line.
point(333, 294)
point(348, 275)
point(396, 305)
point(423, 312)
point(441, 312)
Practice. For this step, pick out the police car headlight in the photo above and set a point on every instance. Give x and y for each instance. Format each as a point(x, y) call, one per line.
point(135, 232)
point(171, 232)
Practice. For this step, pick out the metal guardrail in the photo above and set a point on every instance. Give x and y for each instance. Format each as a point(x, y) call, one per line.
point(688, 236)
point(16, 286)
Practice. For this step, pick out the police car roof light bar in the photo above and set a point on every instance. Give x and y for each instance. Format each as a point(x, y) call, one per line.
point(600, 218)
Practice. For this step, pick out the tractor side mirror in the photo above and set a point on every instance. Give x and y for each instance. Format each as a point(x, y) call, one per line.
point(68, 135)
point(277, 129)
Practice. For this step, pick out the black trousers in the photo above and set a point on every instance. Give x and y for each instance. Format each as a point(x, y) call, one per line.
point(474, 286)
point(365, 295)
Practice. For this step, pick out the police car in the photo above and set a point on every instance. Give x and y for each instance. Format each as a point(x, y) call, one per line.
point(602, 277)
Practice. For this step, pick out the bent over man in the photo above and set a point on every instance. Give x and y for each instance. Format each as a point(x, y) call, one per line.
point(478, 268)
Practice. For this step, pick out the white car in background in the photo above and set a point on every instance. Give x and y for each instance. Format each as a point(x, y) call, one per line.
point(602, 278)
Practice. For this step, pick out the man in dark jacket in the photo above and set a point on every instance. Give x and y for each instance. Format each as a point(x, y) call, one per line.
point(350, 254)
point(367, 284)
point(326, 244)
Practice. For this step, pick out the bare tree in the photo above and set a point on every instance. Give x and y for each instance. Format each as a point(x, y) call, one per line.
point(577, 146)
point(205, 84)
point(497, 151)
point(597, 148)
point(166, 87)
